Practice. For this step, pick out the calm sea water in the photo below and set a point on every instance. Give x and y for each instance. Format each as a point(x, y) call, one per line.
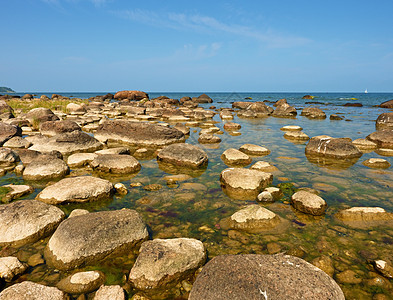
point(194, 208)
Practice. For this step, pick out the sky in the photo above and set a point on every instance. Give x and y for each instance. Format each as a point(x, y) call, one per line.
point(173, 45)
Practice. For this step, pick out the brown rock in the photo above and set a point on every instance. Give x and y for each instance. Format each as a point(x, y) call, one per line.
point(383, 138)
point(131, 95)
point(387, 104)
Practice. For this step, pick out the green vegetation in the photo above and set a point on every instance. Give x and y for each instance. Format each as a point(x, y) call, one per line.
point(4, 89)
point(3, 193)
point(27, 105)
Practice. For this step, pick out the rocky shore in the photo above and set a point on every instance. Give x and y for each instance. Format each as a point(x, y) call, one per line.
point(79, 221)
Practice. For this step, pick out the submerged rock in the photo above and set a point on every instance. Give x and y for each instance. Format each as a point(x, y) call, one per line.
point(77, 189)
point(26, 221)
point(364, 144)
point(242, 184)
point(115, 164)
point(144, 134)
point(183, 155)
point(377, 163)
point(31, 290)
point(85, 239)
point(384, 267)
point(365, 217)
point(163, 262)
point(253, 276)
point(308, 203)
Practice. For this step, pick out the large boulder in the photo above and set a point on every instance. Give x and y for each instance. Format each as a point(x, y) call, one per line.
point(77, 189)
point(253, 218)
point(384, 120)
point(31, 291)
point(85, 239)
point(74, 108)
point(244, 184)
point(338, 148)
point(40, 114)
point(234, 157)
point(365, 217)
point(253, 276)
point(285, 111)
point(383, 138)
point(183, 155)
point(11, 267)
point(27, 155)
point(202, 99)
point(313, 113)
point(308, 203)
point(163, 262)
point(52, 128)
point(115, 164)
point(141, 134)
point(130, 95)
point(45, 167)
point(8, 131)
point(68, 143)
point(26, 221)
point(6, 111)
point(387, 104)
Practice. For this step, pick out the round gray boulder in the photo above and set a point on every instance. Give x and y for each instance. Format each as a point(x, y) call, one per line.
point(26, 221)
point(85, 239)
point(183, 155)
point(262, 277)
point(77, 189)
point(163, 262)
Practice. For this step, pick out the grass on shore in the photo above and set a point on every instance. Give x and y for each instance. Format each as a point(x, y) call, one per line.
point(27, 105)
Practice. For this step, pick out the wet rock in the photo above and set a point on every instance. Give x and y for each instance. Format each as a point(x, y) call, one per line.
point(308, 203)
point(17, 142)
point(110, 292)
point(8, 157)
point(377, 163)
point(255, 150)
point(280, 102)
point(82, 282)
point(233, 156)
point(26, 221)
point(76, 189)
point(253, 276)
point(326, 146)
point(115, 164)
point(324, 263)
point(18, 191)
point(291, 128)
point(163, 262)
point(296, 135)
point(207, 138)
point(364, 144)
point(240, 183)
point(80, 159)
point(131, 95)
point(265, 196)
point(45, 167)
point(313, 113)
point(183, 155)
point(350, 104)
point(52, 128)
point(273, 248)
point(40, 114)
point(35, 260)
point(336, 117)
point(117, 150)
point(183, 128)
point(383, 267)
point(387, 104)
point(285, 111)
point(263, 166)
point(11, 267)
point(383, 138)
point(8, 131)
point(349, 277)
point(365, 217)
point(153, 187)
point(202, 99)
point(85, 239)
point(231, 126)
point(143, 134)
point(120, 188)
point(384, 120)
point(252, 218)
point(32, 290)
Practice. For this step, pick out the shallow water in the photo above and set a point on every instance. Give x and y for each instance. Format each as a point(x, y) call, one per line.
point(195, 207)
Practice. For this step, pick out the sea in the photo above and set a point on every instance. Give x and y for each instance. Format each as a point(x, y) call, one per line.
point(195, 207)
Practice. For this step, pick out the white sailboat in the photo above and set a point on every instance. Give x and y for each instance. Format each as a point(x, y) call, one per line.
point(366, 91)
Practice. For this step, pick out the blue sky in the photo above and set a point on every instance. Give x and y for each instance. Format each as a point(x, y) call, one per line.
point(261, 46)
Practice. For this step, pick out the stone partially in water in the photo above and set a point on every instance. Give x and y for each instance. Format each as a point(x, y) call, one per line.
point(18, 191)
point(253, 218)
point(31, 290)
point(377, 163)
point(384, 267)
point(296, 135)
point(8, 157)
point(291, 128)
point(364, 144)
point(11, 267)
point(115, 164)
point(80, 159)
point(365, 217)
point(383, 138)
point(384, 120)
point(313, 113)
point(45, 167)
point(264, 166)
point(233, 156)
point(242, 184)
point(77, 189)
point(208, 138)
point(231, 126)
point(183, 155)
point(252, 276)
point(8, 131)
point(255, 150)
point(85, 239)
point(110, 292)
point(336, 148)
point(27, 221)
point(163, 262)
point(308, 203)
point(82, 282)
point(52, 128)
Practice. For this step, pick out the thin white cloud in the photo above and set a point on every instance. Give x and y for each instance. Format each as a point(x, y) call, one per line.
point(208, 24)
